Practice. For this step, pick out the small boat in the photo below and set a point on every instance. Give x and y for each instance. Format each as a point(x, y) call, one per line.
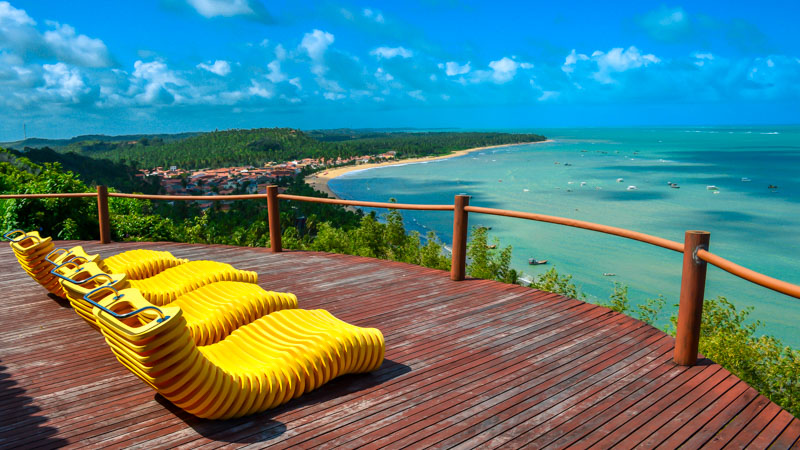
point(674, 186)
point(620, 180)
point(526, 190)
point(609, 274)
point(567, 164)
point(772, 186)
point(583, 183)
point(712, 188)
point(746, 180)
point(632, 188)
point(536, 262)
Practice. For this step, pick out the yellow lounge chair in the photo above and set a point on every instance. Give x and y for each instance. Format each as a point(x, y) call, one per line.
point(161, 288)
point(259, 366)
point(37, 255)
point(212, 311)
point(30, 250)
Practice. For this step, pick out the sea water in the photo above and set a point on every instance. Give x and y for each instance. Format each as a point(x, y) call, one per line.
point(620, 177)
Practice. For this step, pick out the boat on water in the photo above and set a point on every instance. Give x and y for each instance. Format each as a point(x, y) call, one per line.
point(711, 187)
point(536, 262)
point(632, 188)
point(772, 186)
point(620, 180)
point(609, 274)
point(674, 186)
point(746, 180)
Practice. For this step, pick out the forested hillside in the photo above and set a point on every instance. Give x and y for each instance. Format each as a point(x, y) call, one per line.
point(92, 171)
point(257, 146)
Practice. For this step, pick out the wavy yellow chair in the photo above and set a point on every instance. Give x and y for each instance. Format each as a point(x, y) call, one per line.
point(163, 287)
point(37, 255)
point(137, 264)
point(259, 366)
point(31, 250)
point(212, 311)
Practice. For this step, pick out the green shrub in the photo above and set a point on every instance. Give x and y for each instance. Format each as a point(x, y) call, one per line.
point(551, 281)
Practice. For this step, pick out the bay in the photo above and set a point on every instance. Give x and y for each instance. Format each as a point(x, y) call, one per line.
point(620, 177)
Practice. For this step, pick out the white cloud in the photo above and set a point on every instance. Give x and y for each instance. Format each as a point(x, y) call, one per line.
point(347, 14)
point(525, 65)
point(296, 82)
point(503, 70)
point(666, 24)
point(619, 60)
point(10, 16)
point(333, 96)
point(702, 58)
point(158, 81)
point(603, 65)
point(571, 60)
point(547, 95)
point(220, 67)
point(417, 95)
point(225, 8)
point(374, 15)
point(391, 52)
point(280, 52)
point(64, 82)
point(453, 68)
point(383, 75)
point(275, 75)
point(76, 48)
point(260, 90)
point(315, 44)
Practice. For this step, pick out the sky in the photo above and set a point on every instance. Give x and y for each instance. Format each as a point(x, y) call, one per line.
point(163, 66)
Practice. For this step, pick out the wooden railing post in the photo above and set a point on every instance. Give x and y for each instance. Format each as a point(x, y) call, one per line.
point(458, 265)
point(102, 214)
point(274, 211)
point(690, 310)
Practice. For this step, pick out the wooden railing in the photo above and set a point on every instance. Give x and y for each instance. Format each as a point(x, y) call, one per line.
point(694, 248)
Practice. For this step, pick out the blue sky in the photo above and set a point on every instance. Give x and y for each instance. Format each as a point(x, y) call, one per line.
point(78, 67)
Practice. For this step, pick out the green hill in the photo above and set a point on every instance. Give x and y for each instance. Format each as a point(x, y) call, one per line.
point(257, 146)
point(64, 143)
point(91, 171)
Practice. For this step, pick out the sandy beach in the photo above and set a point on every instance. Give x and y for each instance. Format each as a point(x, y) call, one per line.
point(319, 180)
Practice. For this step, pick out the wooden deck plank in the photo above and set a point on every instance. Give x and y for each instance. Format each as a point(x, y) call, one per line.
point(772, 431)
point(790, 438)
point(744, 437)
point(473, 363)
point(462, 392)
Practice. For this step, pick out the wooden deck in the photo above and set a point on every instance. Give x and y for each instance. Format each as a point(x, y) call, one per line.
point(468, 364)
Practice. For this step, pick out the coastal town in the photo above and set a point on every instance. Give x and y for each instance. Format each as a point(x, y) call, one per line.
point(245, 179)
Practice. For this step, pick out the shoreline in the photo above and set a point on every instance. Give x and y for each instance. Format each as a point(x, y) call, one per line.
point(319, 180)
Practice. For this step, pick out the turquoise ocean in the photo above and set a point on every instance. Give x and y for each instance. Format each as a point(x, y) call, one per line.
point(576, 176)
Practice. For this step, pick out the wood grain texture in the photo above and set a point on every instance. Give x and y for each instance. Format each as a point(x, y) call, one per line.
point(468, 364)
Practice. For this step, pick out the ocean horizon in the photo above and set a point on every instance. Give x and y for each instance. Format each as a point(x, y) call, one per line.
point(656, 180)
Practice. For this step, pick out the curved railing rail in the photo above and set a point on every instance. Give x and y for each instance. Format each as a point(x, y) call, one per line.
point(694, 248)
